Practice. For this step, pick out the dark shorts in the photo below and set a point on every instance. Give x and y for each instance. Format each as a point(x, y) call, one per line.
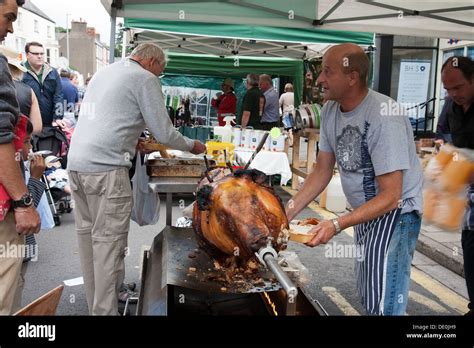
point(269, 125)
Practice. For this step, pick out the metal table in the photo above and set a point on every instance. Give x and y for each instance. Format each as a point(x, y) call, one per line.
point(168, 265)
point(169, 186)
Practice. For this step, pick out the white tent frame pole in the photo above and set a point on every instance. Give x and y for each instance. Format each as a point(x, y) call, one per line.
point(288, 47)
point(193, 42)
point(267, 51)
point(189, 40)
point(406, 12)
point(330, 11)
point(355, 19)
point(193, 50)
point(270, 53)
point(144, 38)
point(171, 44)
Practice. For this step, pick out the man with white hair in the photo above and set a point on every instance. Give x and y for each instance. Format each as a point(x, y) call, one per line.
point(121, 101)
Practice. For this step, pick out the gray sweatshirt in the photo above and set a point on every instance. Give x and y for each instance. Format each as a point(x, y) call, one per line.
point(121, 101)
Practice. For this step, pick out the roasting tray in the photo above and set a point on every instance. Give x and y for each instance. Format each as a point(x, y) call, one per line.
point(175, 259)
point(176, 167)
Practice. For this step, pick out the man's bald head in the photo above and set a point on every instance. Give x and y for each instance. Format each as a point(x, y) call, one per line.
point(352, 58)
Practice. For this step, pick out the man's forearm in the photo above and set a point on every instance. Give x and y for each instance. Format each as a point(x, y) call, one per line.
point(10, 175)
point(379, 205)
point(314, 184)
point(245, 118)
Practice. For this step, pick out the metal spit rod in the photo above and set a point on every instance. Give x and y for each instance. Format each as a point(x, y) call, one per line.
point(269, 258)
point(290, 288)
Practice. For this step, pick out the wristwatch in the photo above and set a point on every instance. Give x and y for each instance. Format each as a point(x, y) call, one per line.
point(336, 226)
point(25, 201)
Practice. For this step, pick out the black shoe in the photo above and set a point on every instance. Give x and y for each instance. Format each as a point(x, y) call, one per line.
point(128, 286)
point(132, 286)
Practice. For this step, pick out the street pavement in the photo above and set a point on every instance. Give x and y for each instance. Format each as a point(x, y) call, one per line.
point(435, 290)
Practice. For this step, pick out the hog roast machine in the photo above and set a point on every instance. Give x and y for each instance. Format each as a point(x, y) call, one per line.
point(178, 279)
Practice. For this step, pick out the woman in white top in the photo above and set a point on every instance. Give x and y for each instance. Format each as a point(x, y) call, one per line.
point(287, 99)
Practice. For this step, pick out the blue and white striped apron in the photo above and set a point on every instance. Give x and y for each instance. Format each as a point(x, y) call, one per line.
point(372, 239)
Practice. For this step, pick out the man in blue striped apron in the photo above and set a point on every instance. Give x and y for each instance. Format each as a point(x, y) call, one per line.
point(457, 75)
point(371, 139)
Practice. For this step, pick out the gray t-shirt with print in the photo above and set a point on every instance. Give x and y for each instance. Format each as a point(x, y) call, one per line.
point(372, 140)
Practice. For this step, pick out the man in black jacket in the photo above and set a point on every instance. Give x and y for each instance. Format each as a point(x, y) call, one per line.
point(23, 219)
point(457, 75)
point(46, 83)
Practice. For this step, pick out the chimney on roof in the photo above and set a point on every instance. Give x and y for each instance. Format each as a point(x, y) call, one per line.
point(79, 27)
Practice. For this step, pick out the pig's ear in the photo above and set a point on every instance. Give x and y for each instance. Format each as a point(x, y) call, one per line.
point(203, 197)
point(255, 175)
point(259, 177)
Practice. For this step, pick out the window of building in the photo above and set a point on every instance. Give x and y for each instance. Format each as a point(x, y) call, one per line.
point(454, 52)
point(48, 55)
point(20, 44)
point(36, 26)
point(415, 53)
point(19, 20)
point(49, 31)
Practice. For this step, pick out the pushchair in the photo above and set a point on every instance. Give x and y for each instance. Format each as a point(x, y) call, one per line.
point(54, 139)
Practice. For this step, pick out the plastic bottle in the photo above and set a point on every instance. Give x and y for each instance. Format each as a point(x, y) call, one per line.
point(335, 200)
point(225, 133)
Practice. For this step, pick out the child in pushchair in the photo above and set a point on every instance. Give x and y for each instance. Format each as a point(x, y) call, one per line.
point(57, 185)
point(56, 175)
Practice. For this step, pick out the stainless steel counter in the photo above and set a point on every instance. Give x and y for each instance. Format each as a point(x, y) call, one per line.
point(169, 186)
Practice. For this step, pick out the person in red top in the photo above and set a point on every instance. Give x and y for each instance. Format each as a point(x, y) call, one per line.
point(226, 103)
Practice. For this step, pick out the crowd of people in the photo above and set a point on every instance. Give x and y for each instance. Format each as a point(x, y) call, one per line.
point(40, 98)
point(261, 105)
point(376, 156)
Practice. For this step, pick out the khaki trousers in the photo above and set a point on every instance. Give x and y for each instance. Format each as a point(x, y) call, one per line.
point(11, 258)
point(21, 285)
point(103, 204)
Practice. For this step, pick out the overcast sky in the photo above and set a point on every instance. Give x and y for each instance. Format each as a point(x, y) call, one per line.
point(90, 11)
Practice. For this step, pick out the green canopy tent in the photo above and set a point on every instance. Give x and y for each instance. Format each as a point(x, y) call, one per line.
point(237, 50)
point(400, 17)
point(236, 67)
point(257, 33)
point(288, 26)
point(257, 41)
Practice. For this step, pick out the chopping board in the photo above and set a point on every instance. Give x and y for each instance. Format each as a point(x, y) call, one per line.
point(300, 231)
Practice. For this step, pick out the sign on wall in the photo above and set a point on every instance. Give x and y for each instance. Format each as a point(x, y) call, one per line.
point(413, 84)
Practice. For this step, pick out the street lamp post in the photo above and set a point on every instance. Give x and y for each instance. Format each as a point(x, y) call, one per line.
point(67, 38)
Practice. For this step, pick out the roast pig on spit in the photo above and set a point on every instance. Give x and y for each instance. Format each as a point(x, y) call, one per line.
point(236, 213)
